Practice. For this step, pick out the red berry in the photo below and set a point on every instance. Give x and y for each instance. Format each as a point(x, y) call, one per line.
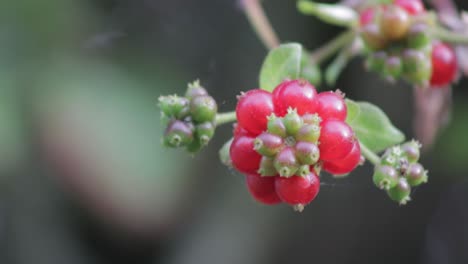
point(444, 65)
point(262, 188)
point(336, 140)
point(413, 7)
point(239, 131)
point(345, 165)
point(243, 156)
point(331, 106)
point(298, 190)
point(252, 110)
point(298, 94)
point(366, 16)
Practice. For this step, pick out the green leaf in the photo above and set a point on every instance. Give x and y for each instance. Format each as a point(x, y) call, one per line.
point(224, 153)
point(334, 14)
point(281, 63)
point(310, 71)
point(372, 126)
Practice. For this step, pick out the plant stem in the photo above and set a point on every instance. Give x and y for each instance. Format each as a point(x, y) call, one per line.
point(224, 118)
point(449, 36)
point(260, 23)
point(327, 50)
point(369, 154)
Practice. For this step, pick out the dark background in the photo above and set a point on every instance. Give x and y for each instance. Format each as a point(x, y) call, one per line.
point(84, 178)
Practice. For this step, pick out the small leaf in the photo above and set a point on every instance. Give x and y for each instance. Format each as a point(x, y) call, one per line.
point(224, 153)
point(281, 63)
point(335, 14)
point(310, 71)
point(372, 126)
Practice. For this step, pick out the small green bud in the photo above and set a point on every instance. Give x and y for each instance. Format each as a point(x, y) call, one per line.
point(393, 67)
point(417, 66)
point(276, 126)
point(411, 150)
point(372, 37)
point(307, 153)
point(203, 108)
point(205, 132)
point(292, 121)
point(285, 162)
point(418, 36)
point(267, 144)
point(308, 133)
point(401, 192)
point(174, 106)
point(267, 167)
point(416, 175)
point(195, 89)
point(395, 23)
point(303, 170)
point(376, 61)
point(178, 134)
point(385, 177)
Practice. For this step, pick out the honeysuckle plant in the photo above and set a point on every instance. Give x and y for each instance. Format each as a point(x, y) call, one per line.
point(286, 134)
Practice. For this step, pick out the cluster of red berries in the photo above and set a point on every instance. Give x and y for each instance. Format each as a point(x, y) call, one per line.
point(190, 120)
point(401, 46)
point(283, 139)
point(399, 170)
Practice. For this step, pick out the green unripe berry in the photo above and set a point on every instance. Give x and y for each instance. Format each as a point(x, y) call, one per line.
point(401, 192)
point(285, 162)
point(267, 167)
point(418, 36)
point(203, 108)
point(178, 133)
point(303, 170)
point(411, 150)
point(307, 153)
point(205, 132)
point(267, 144)
point(415, 174)
point(308, 133)
point(376, 61)
point(292, 121)
point(195, 89)
point(174, 106)
point(417, 66)
point(393, 67)
point(276, 126)
point(385, 177)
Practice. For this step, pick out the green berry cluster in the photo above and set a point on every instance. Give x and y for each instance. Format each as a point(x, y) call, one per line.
point(399, 44)
point(290, 145)
point(190, 120)
point(399, 170)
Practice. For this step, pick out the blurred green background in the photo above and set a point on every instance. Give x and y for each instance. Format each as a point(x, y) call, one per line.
point(84, 178)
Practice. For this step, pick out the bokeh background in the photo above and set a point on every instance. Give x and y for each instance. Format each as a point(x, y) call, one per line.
point(84, 178)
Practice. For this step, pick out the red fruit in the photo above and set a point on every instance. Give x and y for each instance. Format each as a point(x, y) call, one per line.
point(298, 94)
point(252, 110)
point(336, 140)
point(345, 165)
point(298, 190)
point(444, 65)
point(331, 105)
point(262, 188)
point(243, 156)
point(413, 7)
point(239, 131)
point(366, 16)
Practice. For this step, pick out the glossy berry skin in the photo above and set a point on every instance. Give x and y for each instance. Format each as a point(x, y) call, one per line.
point(298, 190)
point(252, 110)
point(295, 94)
point(336, 140)
point(243, 156)
point(444, 65)
point(413, 7)
point(345, 165)
point(395, 23)
point(262, 189)
point(331, 105)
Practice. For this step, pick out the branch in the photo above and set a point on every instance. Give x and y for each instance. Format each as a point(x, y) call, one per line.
point(260, 23)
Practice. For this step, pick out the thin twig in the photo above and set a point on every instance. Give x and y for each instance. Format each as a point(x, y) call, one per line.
point(260, 23)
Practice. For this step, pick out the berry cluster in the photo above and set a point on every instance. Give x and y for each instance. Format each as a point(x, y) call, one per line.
point(190, 119)
point(399, 170)
point(400, 44)
point(284, 138)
